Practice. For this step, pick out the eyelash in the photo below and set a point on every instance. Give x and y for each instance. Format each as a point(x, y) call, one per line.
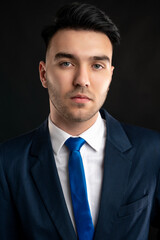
point(98, 65)
point(63, 64)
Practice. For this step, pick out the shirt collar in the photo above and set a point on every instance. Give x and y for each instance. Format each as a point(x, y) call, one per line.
point(93, 136)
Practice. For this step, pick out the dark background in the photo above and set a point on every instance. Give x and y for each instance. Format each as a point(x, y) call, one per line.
point(134, 93)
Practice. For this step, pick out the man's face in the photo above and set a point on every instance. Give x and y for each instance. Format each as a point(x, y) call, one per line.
point(77, 73)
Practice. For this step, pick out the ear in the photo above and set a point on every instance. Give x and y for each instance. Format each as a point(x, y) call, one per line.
point(42, 74)
point(112, 69)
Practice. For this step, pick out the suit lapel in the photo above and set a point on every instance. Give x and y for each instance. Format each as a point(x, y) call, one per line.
point(46, 178)
point(117, 163)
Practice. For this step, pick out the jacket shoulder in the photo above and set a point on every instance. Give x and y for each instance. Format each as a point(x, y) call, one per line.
point(140, 133)
point(18, 141)
point(120, 133)
point(15, 149)
point(144, 141)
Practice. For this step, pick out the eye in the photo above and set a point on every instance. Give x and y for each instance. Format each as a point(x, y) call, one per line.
point(65, 64)
point(97, 66)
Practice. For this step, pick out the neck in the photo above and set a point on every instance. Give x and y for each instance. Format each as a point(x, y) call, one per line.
point(73, 128)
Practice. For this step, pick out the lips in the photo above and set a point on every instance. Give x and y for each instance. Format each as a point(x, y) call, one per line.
point(79, 98)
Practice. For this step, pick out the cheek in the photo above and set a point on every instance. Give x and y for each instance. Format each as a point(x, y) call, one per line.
point(58, 85)
point(101, 85)
point(61, 79)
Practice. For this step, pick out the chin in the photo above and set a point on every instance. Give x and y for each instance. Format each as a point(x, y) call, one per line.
point(80, 116)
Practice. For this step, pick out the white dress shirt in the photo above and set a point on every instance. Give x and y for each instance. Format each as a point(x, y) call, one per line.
point(92, 153)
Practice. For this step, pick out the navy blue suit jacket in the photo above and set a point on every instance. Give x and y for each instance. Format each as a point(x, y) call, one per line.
point(32, 204)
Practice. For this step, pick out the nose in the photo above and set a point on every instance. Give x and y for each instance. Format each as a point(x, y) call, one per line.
point(82, 77)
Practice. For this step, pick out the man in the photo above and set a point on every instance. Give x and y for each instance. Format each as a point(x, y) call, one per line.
point(120, 163)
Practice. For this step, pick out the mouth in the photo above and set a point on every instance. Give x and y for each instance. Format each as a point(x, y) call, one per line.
point(79, 98)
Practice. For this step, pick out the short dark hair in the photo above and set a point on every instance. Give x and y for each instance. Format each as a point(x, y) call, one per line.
point(81, 16)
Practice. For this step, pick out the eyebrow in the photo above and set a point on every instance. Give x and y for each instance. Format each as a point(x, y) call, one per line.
point(64, 55)
point(72, 56)
point(103, 57)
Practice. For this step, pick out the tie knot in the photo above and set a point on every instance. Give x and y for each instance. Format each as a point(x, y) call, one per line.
point(74, 144)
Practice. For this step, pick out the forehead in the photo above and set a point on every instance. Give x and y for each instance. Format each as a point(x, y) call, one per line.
point(80, 43)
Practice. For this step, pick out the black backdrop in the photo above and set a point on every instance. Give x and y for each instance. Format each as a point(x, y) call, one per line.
point(134, 94)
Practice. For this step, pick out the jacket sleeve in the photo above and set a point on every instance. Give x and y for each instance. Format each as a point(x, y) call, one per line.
point(9, 222)
point(158, 205)
point(155, 223)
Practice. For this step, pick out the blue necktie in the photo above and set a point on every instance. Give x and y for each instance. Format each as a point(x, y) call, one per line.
point(82, 215)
